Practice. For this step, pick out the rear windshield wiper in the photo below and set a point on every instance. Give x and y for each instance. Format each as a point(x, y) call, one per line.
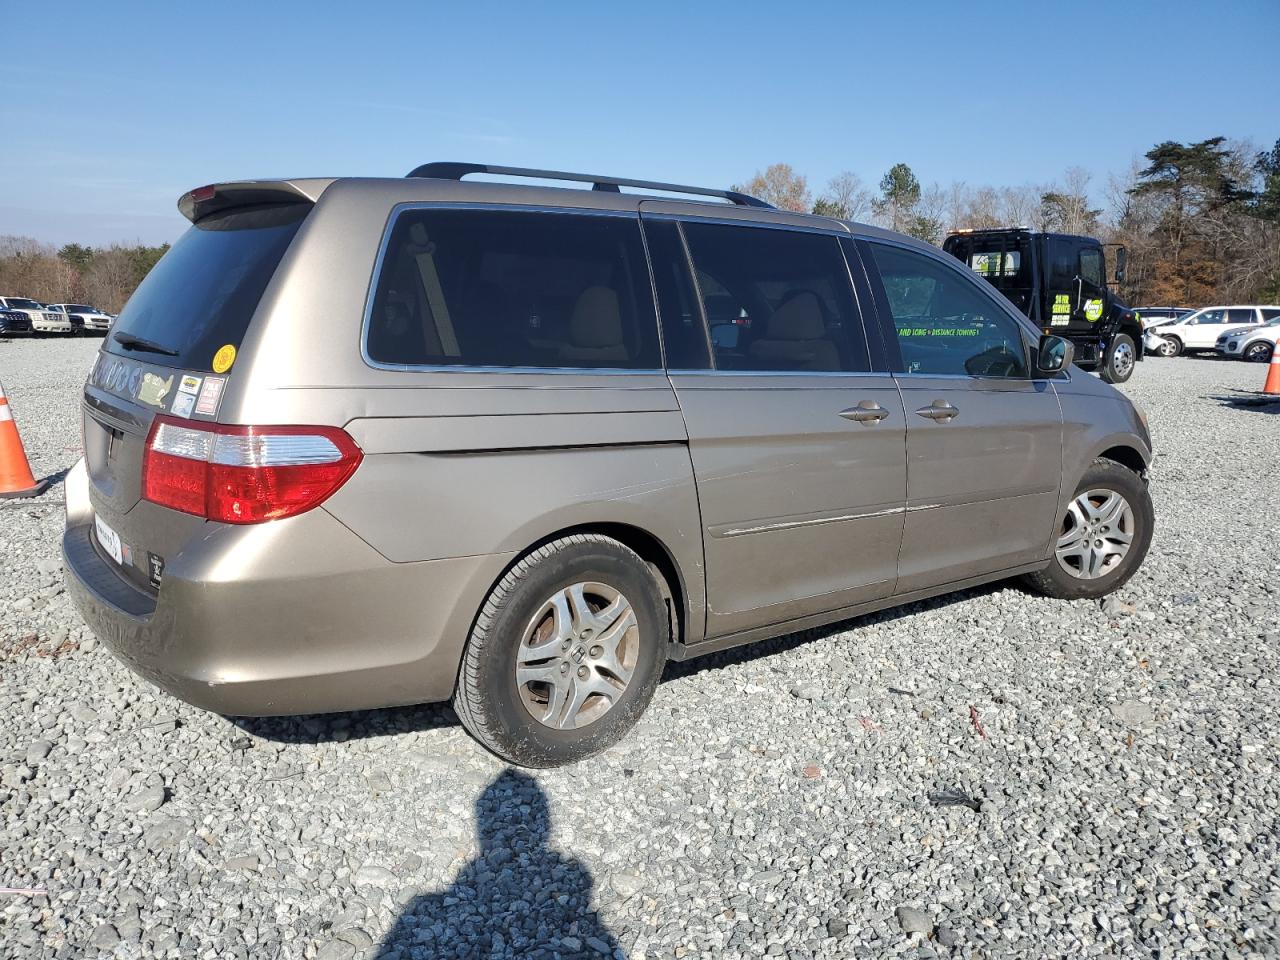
point(130, 342)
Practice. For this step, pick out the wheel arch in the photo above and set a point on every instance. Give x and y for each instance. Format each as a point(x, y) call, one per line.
point(652, 550)
point(1127, 456)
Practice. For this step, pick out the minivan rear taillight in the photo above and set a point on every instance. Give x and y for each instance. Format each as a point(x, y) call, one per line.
point(236, 474)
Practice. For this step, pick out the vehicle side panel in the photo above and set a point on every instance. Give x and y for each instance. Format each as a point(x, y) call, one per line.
point(1095, 418)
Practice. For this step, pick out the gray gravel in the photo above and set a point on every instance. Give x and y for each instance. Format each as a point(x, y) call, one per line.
point(993, 774)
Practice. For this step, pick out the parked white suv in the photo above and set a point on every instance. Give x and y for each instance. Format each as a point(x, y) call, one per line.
point(1255, 344)
point(1201, 330)
point(93, 319)
point(42, 320)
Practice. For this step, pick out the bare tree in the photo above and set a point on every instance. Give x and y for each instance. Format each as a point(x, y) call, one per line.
point(110, 279)
point(957, 205)
point(32, 269)
point(1067, 208)
point(983, 211)
point(1020, 206)
point(780, 185)
point(931, 214)
point(844, 198)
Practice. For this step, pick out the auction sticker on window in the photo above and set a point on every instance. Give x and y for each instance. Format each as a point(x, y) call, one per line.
point(109, 539)
point(210, 396)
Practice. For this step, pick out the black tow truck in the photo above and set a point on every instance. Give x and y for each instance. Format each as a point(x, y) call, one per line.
point(1059, 280)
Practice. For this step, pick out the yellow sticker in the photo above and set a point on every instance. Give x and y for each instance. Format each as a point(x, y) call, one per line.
point(224, 358)
point(1093, 310)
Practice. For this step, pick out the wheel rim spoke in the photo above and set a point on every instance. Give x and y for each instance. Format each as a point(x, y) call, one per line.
point(578, 655)
point(559, 694)
point(583, 690)
point(1120, 537)
point(1111, 508)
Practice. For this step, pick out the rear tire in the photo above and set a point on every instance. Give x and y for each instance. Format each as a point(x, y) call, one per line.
point(1117, 365)
point(565, 654)
point(1070, 575)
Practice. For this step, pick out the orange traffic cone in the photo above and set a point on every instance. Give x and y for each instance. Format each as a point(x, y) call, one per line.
point(1273, 372)
point(15, 473)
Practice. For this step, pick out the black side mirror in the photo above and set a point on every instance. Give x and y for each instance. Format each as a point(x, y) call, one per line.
point(1122, 258)
point(1054, 354)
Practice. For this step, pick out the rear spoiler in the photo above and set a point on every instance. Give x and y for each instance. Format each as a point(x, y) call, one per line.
point(216, 197)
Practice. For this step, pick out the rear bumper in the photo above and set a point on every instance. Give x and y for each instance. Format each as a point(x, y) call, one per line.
point(280, 637)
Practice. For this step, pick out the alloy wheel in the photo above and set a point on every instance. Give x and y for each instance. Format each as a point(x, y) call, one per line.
point(1122, 359)
point(577, 655)
point(1096, 534)
point(1258, 353)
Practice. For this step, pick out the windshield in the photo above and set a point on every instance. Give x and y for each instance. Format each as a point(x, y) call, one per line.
point(203, 292)
point(22, 303)
point(79, 308)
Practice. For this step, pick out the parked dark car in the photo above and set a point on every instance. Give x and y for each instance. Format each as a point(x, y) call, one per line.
point(14, 322)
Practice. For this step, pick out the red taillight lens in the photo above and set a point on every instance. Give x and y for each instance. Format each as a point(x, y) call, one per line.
point(236, 474)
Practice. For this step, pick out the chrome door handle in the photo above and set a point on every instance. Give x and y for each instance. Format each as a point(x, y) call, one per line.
point(939, 410)
point(867, 411)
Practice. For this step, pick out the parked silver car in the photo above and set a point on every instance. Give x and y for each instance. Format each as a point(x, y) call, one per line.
point(360, 442)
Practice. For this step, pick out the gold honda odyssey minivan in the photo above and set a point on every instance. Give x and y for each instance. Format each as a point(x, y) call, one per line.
point(367, 442)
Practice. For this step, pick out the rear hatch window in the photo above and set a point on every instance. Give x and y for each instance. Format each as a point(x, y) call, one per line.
point(203, 292)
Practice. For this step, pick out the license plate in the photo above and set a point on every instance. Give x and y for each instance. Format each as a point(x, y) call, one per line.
point(109, 539)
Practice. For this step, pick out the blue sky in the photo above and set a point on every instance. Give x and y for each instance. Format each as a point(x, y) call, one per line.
point(114, 109)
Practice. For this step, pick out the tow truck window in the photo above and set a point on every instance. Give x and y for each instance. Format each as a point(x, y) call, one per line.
point(991, 265)
point(1064, 266)
point(1091, 268)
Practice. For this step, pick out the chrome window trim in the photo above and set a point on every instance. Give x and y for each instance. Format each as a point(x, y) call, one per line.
point(779, 373)
point(967, 376)
point(694, 217)
point(379, 262)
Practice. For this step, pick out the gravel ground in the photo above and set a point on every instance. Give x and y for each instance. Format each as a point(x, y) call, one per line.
point(989, 774)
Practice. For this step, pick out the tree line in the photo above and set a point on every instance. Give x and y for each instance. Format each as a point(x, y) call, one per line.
point(1201, 220)
point(102, 277)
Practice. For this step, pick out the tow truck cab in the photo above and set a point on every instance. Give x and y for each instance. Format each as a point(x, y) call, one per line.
point(1059, 280)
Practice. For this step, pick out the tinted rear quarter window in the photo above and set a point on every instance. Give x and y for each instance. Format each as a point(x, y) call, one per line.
point(513, 289)
point(204, 291)
point(776, 299)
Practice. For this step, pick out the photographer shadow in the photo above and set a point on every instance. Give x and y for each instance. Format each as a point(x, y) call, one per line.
point(518, 897)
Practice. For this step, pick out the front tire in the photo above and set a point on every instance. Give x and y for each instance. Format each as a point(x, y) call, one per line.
point(565, 654)
point(1171, 347)
point(1259, 352)
point(1103, 537)
point(1117, 365)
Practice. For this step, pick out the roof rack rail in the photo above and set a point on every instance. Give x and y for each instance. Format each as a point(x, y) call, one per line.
point(446, 170)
